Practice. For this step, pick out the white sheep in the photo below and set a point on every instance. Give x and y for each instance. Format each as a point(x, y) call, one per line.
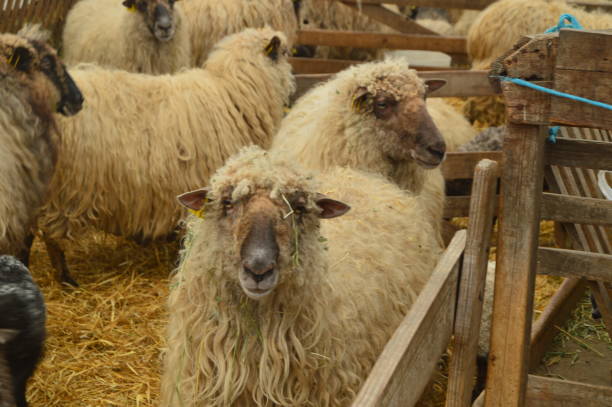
point(142, 139)
point(33, 85)
point(502, 24)
point(146, 36)
point(373, 117)
point(211, 20)
point(270, 306)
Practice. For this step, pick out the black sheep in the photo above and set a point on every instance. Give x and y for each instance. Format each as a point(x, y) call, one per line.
point(22, 309)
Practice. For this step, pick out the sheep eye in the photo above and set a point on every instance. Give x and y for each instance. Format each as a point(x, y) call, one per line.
point(227, 204)
point(381, 105)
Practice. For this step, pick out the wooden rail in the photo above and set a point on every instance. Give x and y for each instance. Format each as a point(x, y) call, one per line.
point(469, 4)
point(419, 340)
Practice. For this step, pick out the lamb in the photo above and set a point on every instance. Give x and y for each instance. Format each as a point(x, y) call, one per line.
point(211, 20)
point(22, 327)
point(33, 85)
point(142, 139)
point(372, 117)
point(267, 297)
point(146, 36)
point(502, 24)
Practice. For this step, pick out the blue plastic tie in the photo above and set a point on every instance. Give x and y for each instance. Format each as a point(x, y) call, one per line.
point(573, 23)
point(552, 134)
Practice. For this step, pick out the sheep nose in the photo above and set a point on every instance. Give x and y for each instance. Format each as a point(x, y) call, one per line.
point(437, 150)
point(259, 266)
point(164, 24)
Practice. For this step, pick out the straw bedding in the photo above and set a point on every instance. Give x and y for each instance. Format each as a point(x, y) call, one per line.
point(104, 338)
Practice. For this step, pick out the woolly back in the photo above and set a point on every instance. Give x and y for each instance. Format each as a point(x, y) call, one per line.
point(163, 135)
point(504, 22)
point(211, 20)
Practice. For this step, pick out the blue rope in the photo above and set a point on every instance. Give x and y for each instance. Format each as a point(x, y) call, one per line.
point(573, 23)
point(554, 130)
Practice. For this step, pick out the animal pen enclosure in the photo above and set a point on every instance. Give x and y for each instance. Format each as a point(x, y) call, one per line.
point(449, 304)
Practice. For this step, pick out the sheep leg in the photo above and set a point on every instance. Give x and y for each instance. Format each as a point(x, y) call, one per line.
point(24, 254)
point(58, 260)
point(595, 312)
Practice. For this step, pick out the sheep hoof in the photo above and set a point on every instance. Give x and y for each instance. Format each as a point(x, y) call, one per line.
point(68, 280)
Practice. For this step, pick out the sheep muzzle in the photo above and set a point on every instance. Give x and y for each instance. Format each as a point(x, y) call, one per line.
point(259, 255)
point(430, 147)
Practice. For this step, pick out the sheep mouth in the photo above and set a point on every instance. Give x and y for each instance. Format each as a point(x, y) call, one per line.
point(69, 110)
point(257, 290)
point(164, 36)
point(427, 164)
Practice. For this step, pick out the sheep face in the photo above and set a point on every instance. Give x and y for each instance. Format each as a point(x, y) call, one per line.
point(396, 112)
point(39, 63)
point(157, 14)
point(265, 229)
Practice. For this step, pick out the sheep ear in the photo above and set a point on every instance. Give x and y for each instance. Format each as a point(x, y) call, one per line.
point(330, 207)
point(21, 59)
point(272, 48)
point(433, 85)
point(194, 200)
point(360, 99)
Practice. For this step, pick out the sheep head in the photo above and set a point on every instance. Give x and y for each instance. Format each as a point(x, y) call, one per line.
point(263, 225)
point(34, 60)
point(157, 14)
point(394, 108)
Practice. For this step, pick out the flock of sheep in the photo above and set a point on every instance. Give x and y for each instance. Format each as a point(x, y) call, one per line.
point(273, 301)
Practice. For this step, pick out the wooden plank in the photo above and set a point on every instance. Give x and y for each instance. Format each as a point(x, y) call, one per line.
point(331, 66)
point(595, 86)
point(550, 392)
point(459, 83)
point(534, 60)
point(557, 312)
point(574, 209)
point(390, 19)
point(470, 4)
point(580, 153)
point(462, 165)
point(404, 368)
point(581, 50)
point(574, 263)
point(525, 105)
point(471, 287)
point(467, 4)
point(521, 189)
point(559, 208)
point(360, 39)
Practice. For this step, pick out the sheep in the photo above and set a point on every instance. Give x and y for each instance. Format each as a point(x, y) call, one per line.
point(211, 20)
point(266, 298)
point(372, 117)
point(142, 139)
point(491, 139)
point(146, 36)
point(502, 24)
point(33, 84)
point(332, 15)
point(22, 323)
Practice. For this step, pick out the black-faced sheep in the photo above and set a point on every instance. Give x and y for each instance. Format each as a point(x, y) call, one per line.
point(22, 314)
point(33, 85)
point(374, 117)
point(271, 306)
point(147, 36)
point(502, 24)
point(211, 20)
point(142, 139)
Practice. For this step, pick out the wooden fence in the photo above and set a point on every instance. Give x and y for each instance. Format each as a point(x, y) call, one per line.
point(50, 13)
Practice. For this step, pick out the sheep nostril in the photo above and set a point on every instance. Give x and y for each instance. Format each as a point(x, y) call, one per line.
point(439, 154)
point(259, 277)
